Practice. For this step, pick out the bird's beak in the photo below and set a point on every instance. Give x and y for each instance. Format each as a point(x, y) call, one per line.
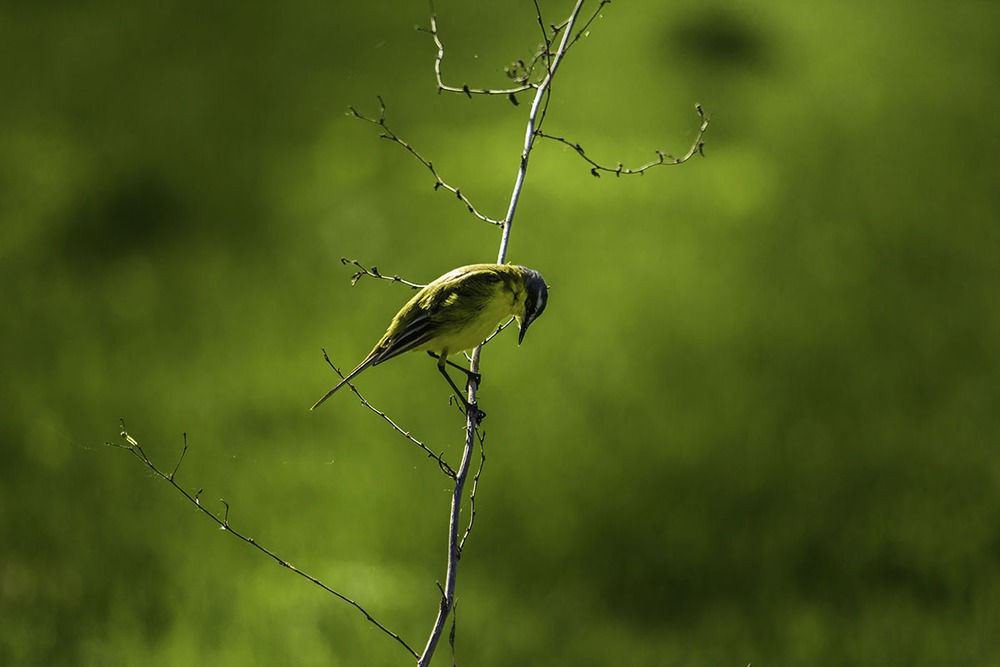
point(522, 329)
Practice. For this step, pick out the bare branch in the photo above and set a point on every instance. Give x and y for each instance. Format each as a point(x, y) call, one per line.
point(665, 159)
point(582, 32)
point(472, 416)
point(439, 183)
point(497, 332)
point(131, 445)
point(546, 40)
point(374, 273)
point(472, 494)
point(464, 89)
point(521, 73)
point(445, 468)
point(501, 327)
point(448, 599)
point(179, 459)
point(530, 131)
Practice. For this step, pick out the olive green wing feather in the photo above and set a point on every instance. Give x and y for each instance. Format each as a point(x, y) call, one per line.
point(428, 307)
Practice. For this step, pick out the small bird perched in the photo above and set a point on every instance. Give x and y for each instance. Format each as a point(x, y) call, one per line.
point(457, 312)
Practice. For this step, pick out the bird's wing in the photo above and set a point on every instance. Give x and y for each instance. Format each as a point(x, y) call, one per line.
point(417, 332)
point(425, 323)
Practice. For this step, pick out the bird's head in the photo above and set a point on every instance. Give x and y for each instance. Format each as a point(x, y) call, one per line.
point(535, 297)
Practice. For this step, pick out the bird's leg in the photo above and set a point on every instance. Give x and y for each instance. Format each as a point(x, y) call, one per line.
point(468, 406)
point(472, 376)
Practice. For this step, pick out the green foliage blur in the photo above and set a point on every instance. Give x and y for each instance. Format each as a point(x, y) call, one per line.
point(758, 422)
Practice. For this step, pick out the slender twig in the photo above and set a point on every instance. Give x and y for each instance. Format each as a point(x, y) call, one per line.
point(374, 273)
point(501, 327)
point(697, 148)
point(586, 26)
point(132, 445)
point(472, 494)
point(465, 89)
point(445, 468)
point(439, 183)
point(546, 40)
point(520, 72)
point(496, 333)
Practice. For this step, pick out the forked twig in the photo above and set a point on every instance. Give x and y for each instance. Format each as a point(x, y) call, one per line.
point(523, 74)
point(525, 83)
point(374, 273)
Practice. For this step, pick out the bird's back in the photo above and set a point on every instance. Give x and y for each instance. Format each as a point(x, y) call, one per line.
point(456, 312)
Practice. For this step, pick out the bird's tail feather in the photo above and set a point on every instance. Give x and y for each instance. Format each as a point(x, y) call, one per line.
point(369, 360)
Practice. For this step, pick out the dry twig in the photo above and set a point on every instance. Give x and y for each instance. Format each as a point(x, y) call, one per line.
point(697, 148)
point(445, 468)
point(130, 444)
point(439, 183)
point(374, 273)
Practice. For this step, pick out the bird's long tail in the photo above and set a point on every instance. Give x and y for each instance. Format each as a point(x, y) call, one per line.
point(369, 360)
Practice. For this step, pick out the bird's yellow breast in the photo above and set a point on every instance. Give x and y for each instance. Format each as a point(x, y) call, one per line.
point(453, 339)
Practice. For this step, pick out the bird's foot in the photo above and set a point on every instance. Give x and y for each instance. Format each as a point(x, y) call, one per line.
point(469, 408)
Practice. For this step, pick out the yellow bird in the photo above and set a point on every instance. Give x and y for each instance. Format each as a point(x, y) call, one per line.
point(457, 312)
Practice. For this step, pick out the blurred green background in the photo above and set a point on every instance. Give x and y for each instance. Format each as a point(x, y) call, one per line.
point(758, 422)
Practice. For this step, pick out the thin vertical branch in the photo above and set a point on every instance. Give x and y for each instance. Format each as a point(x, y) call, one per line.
point(454, 551)
point(529, 133)
point(473, 415)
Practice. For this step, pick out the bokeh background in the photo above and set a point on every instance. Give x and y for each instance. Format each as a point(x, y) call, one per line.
point(757, 424)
